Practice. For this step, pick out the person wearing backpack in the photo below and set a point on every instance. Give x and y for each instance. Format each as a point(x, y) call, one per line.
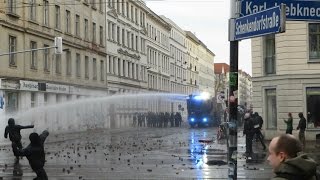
point(287, 160)
point(302, 128)
point(248, 131)
point(258, 122)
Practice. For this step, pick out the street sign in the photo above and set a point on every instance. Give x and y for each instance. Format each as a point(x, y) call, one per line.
point(295, 10)
point(265, 22)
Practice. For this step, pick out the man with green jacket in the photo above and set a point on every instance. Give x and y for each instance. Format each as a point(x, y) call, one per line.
point(287, 161)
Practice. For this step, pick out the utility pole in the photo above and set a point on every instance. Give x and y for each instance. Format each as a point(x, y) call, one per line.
point(233, 91)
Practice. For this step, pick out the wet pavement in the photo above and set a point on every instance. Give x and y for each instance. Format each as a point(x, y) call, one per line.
point(145, 153)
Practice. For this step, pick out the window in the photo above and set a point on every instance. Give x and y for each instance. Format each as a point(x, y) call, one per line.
point(94, 32)
point(269, 54)
point(68, 62)
point(57, 17)
point(12, 102)
point(123, 37)
point(110, 3)
point(122, 7)
point(93, 4)
point(45, 98)
point(313, 104)
point(128, 39)
point(136, 15)
point(58, 63)
point(86, 26)
point(32, 10)
point(46, 13)
point(12, 48)
point(102, 70)
point(127, 4)
point(314, 41)
point(33, 58)
point(137, 42)
point(12, 6)
point(94, 68)
point(77, 30)
point(78, 65)
point(46, 58)
point(68, 21)
point(86, 67)
point(132, 42)
point(271, 108)
point(101, 35)
point(119, 67)
point(118, 34)
point(33, 99)
point(100, 6)
point(131, 10)
point(118, 6)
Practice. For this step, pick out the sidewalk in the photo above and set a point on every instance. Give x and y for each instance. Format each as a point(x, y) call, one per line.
point(258, 167)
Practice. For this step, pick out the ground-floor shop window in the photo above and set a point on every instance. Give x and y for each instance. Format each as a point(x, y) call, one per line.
point(12, 102)
point(313, 104)
point(271, 108)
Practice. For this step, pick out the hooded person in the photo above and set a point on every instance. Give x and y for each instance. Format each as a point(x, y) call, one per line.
point(35, 153)
point(13, 130)
point(287, 160)
point(248, 131)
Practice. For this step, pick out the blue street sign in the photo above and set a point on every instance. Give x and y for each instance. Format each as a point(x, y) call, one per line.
point(268, 21)
point(295, 10)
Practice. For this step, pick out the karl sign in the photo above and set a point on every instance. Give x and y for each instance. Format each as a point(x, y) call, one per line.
point(295, 10)
point(268, 21)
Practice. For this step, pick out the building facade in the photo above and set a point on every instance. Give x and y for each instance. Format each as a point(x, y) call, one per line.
point(244, 84)
point(41, 77)
point(286, 77)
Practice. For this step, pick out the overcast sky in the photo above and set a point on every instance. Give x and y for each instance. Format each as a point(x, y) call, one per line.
point(208, 19)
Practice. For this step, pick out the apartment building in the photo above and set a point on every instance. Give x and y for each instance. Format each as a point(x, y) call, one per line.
point(41, 77)
point(286, 77)
point(126, 46)
point(221, 71)
point(201, 61)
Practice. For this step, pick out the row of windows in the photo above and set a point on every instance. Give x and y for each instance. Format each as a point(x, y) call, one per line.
point(178, 37)
point(68, 24)
point(128, 10)
point(154, 58)
point(177, 54)
point(157, 35)
point(178, 72)
point(125, 38)
point(269, 47)
point(121, 67)
point(34, 56)
point(160, 83)
point(78, 25)
point(179, 88)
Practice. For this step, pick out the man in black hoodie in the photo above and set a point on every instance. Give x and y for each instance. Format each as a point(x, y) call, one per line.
point(287, 160)
point(34, 153)
point(13, 130)
point(302, 127)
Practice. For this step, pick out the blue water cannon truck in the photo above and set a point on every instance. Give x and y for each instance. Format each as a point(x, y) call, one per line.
point(200, 110)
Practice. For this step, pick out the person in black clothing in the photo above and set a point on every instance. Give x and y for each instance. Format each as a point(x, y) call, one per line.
point(248, 130)
point(34, 153)
point(302, 127)
point(257, 128)
point(13, 130)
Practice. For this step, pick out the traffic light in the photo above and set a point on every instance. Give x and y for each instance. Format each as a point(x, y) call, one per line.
point(58, 45)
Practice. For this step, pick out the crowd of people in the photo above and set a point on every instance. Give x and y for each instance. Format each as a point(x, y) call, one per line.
point(157, 119)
